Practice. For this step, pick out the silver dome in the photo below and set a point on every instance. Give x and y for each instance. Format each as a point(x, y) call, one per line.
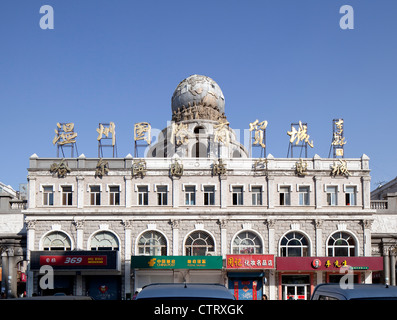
point(198, 90)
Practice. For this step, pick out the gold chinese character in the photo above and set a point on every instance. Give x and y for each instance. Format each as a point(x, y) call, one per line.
point(179, 134)
point(259, 129)
point(66, 135)
point(299, 135)
point(327, 264)
point(221, 132)
point(106, 130)
point(142, 131)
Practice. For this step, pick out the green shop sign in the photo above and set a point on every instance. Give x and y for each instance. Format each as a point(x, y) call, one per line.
point(176, 262)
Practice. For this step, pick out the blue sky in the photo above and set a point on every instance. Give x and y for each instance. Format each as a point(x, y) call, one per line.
point(280, 61)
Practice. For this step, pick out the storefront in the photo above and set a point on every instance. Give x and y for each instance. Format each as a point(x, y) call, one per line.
point(248, 275)
point(175, 269)
point(94, 273)
point(297, 276)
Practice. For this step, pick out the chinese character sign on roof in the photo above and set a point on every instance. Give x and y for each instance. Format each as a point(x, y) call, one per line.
point(64, 134)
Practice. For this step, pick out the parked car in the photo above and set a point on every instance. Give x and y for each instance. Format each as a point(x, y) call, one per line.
point(328, 291)
point(184, 291)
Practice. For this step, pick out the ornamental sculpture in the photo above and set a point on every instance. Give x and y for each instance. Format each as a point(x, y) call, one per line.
point(219, 168)
point(61, 169)
point(102, 168)
point(301, 167)
point(139, 168)
point(260, 166)
point(176, 169)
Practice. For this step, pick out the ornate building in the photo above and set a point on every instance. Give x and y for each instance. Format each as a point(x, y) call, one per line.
point(12, 242)
point(198, 208)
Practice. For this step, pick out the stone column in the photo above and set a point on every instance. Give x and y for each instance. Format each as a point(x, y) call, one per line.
point(367, 237)
point(128, 191)
point(319, 237)
point(80, 192)
point(270, 226)
point(386, 265)
point(223, 225)
point(79, 225)
point(270, 192)
point(176, 189)
point(393, 266)
point(366, 192)
point(32, 192)
point(175, 237)
point(223, 191)
point(127, 256)
point(318, 193)
point(30, 238)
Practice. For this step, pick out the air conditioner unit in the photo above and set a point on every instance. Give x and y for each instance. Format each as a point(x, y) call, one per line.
point(210, 253)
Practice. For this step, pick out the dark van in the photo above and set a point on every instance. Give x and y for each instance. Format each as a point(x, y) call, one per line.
point(328, 291)
point(184, 291)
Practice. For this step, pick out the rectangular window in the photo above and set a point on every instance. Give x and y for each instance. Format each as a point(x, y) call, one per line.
point(256, 196)
point(351, 196)
point(95, 195)
point(190, 196)
point(143, 195)
point(67, 196)
point(48, 196)
point(209, 195)
point(237, 195)
point(332, 198)
point(304, 196)
point(285, 198)
point(114, 195)
point(162, 196)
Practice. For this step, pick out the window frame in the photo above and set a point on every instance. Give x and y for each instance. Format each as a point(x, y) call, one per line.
point(114, 197)
point(48, 197)
point(329, 194)
point(95, 196)
point(66, 195)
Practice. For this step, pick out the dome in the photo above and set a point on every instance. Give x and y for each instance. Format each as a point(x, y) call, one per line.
point(198, 90)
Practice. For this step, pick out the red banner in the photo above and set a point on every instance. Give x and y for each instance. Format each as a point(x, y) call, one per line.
point(73, 260)
point(250, 261)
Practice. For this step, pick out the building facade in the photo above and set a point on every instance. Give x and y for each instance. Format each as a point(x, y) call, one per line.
point(384, 235)
point(12, 243)
point(198, 208)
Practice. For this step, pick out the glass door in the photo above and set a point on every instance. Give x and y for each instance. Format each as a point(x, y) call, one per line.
point(295, 292)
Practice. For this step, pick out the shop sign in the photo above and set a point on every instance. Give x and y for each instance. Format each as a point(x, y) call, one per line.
point(329, 263)
point(250, 261)
point(176, 262)
point(74, 259)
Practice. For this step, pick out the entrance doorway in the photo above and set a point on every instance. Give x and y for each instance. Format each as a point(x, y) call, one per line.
point(295, 292)
point(295, 287)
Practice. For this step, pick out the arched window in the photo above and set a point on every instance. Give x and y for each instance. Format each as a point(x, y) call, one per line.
point(104, 240)
point(199, 150)
point(294, 244)
point(199, 243)
point(152, 243)
point(247, 242)
point(341, 244)
point(56, 240)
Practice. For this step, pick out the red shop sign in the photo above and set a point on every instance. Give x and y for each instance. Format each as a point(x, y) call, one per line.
point(250, 261)
point(73, 260)
point(329, 263)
